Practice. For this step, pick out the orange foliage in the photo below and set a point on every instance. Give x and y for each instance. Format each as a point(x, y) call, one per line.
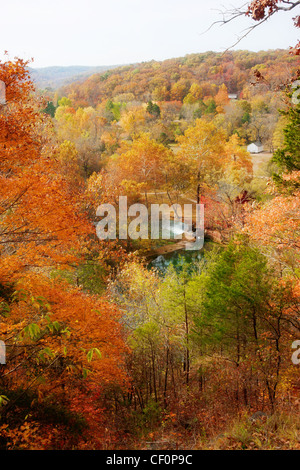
point(277, 223)
point(55, 333)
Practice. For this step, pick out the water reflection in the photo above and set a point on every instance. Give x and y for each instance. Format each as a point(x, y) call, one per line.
point(177, 259)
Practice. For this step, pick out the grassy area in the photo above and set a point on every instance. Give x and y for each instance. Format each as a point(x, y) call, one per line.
point(260, 161)
point(280, 431)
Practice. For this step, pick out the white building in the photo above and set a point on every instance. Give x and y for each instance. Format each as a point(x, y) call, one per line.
point(255, 147)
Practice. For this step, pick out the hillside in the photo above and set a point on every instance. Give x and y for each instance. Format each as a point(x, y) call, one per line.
point(171, 80)
point(56, 76)
point(164, 98)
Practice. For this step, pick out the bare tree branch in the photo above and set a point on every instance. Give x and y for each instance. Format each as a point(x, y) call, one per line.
point(258, 10)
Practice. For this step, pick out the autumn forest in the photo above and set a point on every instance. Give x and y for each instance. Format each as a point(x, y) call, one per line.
point(117, 344)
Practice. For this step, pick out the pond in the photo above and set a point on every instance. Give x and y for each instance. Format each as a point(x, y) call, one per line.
point(177, 259)
point(173, 230)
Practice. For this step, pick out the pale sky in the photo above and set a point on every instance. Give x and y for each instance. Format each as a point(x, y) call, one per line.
point(110, 32)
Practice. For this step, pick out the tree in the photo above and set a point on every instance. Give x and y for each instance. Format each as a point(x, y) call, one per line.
point(195, 94)
point(84, 127)
point(153, 109)
point(133, 121)
point(288, 157)
point(201, 149)
point(142, 161)
point(158, 315)
point(245, 318)
point(233, 190)
point(275, 224)
point(50, 109)
point(221, 98)
point(55, 333)
point(179, 90)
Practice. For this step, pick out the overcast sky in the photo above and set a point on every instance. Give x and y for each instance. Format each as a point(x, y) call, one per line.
point(110, 32)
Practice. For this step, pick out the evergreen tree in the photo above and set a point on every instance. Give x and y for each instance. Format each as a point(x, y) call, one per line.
point(50, 109)
point(153, 109)
point(288, 157)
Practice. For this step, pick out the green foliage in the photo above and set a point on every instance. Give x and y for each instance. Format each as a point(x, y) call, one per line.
point(3, 400)
point(197, 113)
point(152, 414)
point(64, 101)
point(288, 157)
point(236, 283)
point(91, 276)
point(114, 109)
point(153, 109)
point(4, 309)
point(211, 107)
point(92, 352)
point(32, 331)
point(50, 109)
point(104, 77)
point(246, 117)
point(6, 292)
point(49, 412)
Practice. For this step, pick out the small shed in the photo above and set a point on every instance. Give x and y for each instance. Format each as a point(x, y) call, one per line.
point(255, 147)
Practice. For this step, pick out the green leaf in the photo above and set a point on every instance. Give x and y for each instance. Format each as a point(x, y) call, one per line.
point(46, 352)
point(85, 372)
point(4, 309)
point(32, 331)
point(90, 354)
point(3, 400)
